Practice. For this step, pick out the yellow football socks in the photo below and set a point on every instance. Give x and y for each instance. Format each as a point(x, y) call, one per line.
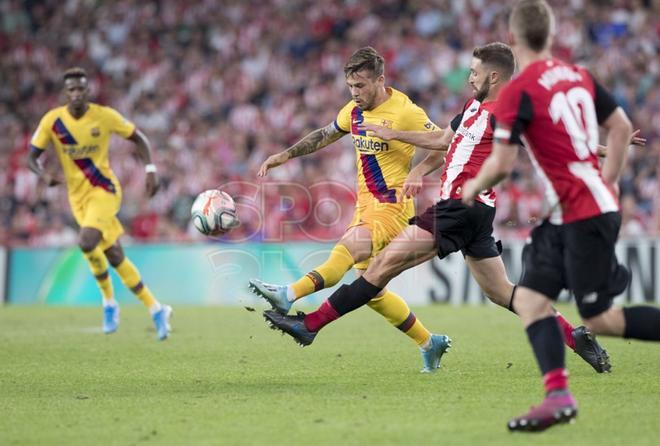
point(99, 266)
point(130, 276)
point(325, 275)
point(393, 308)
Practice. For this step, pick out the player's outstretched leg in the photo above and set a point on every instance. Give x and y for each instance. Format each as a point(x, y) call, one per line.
point(160, 314)
point(130, 277)
point(294, 326)
point(395, 309)
point(491, 276)
point(89, 239)
point(281, 297)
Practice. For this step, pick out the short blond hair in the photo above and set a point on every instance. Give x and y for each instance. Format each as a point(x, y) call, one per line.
point(533, 22)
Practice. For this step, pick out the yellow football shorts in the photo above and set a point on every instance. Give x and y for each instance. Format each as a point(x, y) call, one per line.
point(384, 220)
point(98, 209)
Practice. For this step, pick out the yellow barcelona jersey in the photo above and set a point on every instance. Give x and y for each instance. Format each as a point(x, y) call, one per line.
point(382, 166)
point(82, 146)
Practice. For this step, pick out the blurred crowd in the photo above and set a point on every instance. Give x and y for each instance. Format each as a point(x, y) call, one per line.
point(219, 86)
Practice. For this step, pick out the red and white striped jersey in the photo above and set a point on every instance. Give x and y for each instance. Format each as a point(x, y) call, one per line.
point(554, 109)
point(469, 148)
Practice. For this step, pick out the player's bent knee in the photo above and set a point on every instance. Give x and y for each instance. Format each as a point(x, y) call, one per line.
point(88, 240)
point(500, 296)
point(114, 256)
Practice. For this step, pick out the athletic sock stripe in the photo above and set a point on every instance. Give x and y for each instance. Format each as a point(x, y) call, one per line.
point(408, 323)
point(317, 279)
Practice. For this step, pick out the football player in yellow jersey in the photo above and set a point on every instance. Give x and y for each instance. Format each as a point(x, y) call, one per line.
point(384, 203)
point(80, 133)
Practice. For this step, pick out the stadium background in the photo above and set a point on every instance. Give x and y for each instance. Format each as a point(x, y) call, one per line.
point(218, 86)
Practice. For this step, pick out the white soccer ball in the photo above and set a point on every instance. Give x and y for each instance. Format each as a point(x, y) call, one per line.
point(214, 212)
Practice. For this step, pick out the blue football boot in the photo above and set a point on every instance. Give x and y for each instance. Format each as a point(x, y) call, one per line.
point(161, 320)
point(110, 318)
point(431, 357)
point(294, 326)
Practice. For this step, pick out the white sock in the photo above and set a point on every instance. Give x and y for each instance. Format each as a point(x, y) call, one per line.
point(290, 295)
point(155, 308)
point(426, 346)
point(109, 302)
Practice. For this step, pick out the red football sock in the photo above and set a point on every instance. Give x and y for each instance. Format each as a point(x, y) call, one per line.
point(567, 328)
point(556, 379)
point(318, 319)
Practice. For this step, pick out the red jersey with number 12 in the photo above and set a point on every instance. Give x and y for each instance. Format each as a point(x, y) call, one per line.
point(554, 109)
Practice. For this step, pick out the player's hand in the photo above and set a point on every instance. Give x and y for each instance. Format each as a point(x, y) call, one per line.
point(50, 179)
point(636, 140)
point(470, 192)
point(378, 131)
point(152, 184)
point(272, 161)
point(412, 185)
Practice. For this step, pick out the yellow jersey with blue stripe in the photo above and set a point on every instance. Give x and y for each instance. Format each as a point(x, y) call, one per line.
point(382, 166)
point(82, 146)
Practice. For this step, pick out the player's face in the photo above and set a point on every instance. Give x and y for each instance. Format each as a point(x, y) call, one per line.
point(364, 87)
point(479, 79)
point(76, 90)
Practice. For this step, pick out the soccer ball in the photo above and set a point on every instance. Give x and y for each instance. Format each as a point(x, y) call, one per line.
point(214, 212)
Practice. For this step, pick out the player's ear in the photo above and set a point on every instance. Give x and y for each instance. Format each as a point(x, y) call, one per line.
point(512, 38)
point(494, 77)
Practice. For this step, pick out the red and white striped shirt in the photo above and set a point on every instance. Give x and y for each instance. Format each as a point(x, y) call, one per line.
point(469, 148)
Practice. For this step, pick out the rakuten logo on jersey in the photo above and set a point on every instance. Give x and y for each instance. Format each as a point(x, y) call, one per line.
point(80, 152)
point(369, 145)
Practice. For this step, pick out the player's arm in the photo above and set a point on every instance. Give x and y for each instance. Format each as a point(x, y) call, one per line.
point(425, 140)
point(38, 144)
point(619, 133)
point(314, 141)
point(434, 160)
point(144, 152)
point(635, 140)
point(35, 166)
point(497, 167)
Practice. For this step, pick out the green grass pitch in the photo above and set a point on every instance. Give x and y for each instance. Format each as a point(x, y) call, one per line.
point(224, 378)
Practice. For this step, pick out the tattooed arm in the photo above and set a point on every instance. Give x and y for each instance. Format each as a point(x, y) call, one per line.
point(314, 141)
